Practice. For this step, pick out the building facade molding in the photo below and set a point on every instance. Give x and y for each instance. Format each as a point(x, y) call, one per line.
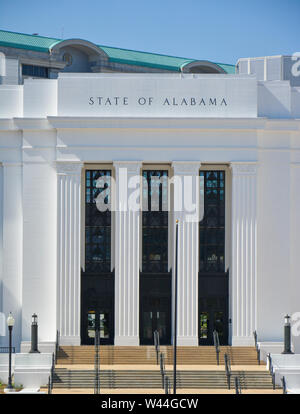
point(68, 252)
point(127, 241)
point(188, 252)
point(244, 252)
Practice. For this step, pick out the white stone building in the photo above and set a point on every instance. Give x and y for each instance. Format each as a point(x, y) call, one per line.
point(232, 142)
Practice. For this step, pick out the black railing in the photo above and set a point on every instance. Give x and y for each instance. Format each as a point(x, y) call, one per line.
point(157, 345)
point(56, 345)
point(257, 347)
point(217, 345)
point(51, 376)
point(162, 368)
point(167, 385)
point(271, 370)
point(5, 349)
point(237, 384)
point(227, 369)
point(97, 362)
point(284, 389)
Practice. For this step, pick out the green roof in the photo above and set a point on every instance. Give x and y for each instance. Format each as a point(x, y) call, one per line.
point(126, 56)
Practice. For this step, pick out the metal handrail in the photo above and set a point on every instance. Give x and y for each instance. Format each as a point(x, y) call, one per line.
point(167, 385)
point(237, 383)
point(227, 369)
point(5, 349)
point(257, 347)
point(271, 370)
point(217, 345)
point(162, 369)
point(157, 345)
point(50, 380)
point(284, 388)
point(97, 362)
point(56, 345)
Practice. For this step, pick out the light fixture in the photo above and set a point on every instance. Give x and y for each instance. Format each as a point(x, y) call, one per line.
point(10, 320)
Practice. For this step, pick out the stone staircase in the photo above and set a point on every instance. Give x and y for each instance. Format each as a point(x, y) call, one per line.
point(145, 355)
point(151, 379)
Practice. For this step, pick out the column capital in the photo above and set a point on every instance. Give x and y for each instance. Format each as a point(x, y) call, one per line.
point(186, 167)
point(244, 168)
point(11, 164)
point(133, 167)
point(68, 167)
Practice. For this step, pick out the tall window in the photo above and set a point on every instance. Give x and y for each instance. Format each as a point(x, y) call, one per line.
point(212, 227)
point(155, 221)
point(97, 221)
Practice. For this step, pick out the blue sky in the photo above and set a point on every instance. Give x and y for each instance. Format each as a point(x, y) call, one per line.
point(217, 30)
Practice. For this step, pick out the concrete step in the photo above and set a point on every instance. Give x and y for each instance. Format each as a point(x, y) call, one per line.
point(65, 378)
point(202, 355)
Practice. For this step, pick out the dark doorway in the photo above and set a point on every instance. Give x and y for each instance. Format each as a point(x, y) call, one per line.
point(213, 281)
point(213, 308)
point(97, 308)
point(97, 281)
point(155, 308)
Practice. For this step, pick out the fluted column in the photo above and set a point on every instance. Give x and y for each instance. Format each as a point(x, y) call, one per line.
point(68, 253)
point(244, 253)
point(187, 211)
point(127, 239)
point(12, 239)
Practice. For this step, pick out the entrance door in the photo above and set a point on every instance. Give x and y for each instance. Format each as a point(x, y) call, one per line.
point(98, 320)
point(97, 308)
point(213, 315)
point(154, 321)
point(155, 316)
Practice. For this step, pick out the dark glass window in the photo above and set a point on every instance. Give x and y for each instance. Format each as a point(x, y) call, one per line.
point(97, 221)
point(212, 227)
point(36, 71)
point(155, 221)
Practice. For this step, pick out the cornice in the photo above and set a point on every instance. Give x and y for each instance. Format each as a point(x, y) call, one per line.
point(68, 167)
point(203, 124)
point(32, 123)
point(186, 167)
point(133, 167)
point(62, 122)
point(244, 168)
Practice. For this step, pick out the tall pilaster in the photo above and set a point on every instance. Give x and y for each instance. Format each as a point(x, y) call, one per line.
point(68, 252)
point(244, 253)
point(12, 234)
point(127, 217)
point(187, 210)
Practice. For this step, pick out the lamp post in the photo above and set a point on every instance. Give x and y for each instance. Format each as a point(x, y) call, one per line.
point(10, 324)
point(287, 335)
point(34, 335)
point(175, 313)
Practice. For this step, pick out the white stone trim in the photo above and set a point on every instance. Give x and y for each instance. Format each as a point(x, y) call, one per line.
point(244, 252)
point(127, 239)
point(188, 254)
point(68, 252)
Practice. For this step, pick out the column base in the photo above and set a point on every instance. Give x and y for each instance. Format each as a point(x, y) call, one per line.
point(69, 340)
point(187, 341)
point(243, 341)
point(127, 341)
point(43, 347)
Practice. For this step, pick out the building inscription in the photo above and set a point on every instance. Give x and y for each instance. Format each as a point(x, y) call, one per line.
point(165, 101)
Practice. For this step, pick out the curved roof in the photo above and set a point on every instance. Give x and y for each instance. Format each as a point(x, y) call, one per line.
point(126, 56)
